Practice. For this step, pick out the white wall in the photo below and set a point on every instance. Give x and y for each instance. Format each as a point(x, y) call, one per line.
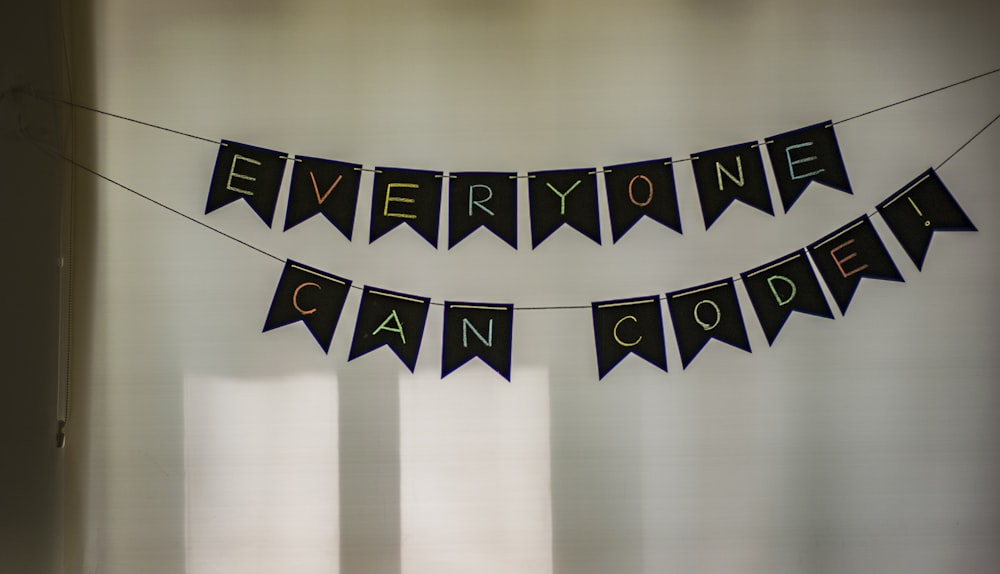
point(867, 443)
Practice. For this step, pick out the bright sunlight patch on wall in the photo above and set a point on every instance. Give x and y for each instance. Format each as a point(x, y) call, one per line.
point(474, 459)
point(261, 475)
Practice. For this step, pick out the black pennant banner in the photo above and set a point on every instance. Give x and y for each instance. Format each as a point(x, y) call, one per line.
point(920, 208)
point(724, 174)
point(309, 295)
point(782, 286)
point(393, 319)
point(563, 196)
point(628, 326)
point(805, 155)
point(849, 254)
point(406, 195)
point(710, 311)
point(249, 173)
point(638, 189)
point(482, 199)
point(483, 330)
point(324, 186)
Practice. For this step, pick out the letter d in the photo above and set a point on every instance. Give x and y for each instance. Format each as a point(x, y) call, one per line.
point(774, 290)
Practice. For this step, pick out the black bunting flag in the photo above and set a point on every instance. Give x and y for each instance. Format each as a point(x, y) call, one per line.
point(638, 189)
point(710, 311)
point(849, 254)
point(724, 174)
point(406, 195)
point(327, 187)
point(393, 319)
point(481, 199)
point(805, 155)
point(563, 196)
point(481, 330)
point(309, 295)
point(249, 173)
point(782, 286)
point(920, 208)
point(628, 326)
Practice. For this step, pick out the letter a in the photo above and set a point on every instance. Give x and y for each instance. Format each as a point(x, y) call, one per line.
point(398, 329)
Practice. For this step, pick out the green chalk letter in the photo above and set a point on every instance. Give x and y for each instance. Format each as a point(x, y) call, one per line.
point(479, 203)
point(774, 291)
point(466, 325)
point(562, 196)
point(792, 163)
point(397, 329)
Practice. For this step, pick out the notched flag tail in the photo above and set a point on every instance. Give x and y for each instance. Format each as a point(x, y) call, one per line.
point(641, 189)
point(626, 326)
point(724, 174)
point(406, 195)
point(710, 311)
point(482, 199)
point(784, 285)
point(920, 208)
point(390, 318)
point(563, 196)
point(802, 156)
point(324, 186)
point(849, 254)
point(309, 295)
point(250, 173)
point(481, 330)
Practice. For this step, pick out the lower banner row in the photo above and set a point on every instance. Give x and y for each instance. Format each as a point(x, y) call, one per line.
point(635, 325)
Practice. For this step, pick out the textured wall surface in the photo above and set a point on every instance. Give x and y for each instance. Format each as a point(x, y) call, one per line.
point(864, 443)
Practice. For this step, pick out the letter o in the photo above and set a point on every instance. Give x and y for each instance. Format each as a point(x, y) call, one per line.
point(649, 185)
point(718, 315)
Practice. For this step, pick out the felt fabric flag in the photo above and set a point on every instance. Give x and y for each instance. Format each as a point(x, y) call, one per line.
point(324, 186)
point(805, 155)
point(482, 199)
point(406, 195)
point(563, 196)
point(626, 326)
point(481, 330)
point(849, 254)
point(782, 286)
point(920, 208)
point(249, 173)
point(705, 312)
point(309, 295)
point(389, 318)
point(730, 173)
point(641, 189)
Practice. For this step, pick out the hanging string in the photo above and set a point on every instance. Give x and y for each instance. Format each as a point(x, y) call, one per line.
point(67, 262)
point(56, 100)
point(918, 96)
point(218, 142)
point(435, 303)
point(64, 388)
point(73, 162)
point(961, 147)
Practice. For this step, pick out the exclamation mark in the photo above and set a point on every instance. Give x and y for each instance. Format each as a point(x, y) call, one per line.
point(927, 223)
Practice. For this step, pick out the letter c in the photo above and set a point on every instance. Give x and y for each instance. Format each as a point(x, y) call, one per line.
point(615, 332)
point(295, 298)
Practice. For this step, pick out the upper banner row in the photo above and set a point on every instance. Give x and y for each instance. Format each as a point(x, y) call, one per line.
point(556, 197)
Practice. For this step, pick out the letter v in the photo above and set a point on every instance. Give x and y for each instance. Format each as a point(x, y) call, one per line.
point(316, 187)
